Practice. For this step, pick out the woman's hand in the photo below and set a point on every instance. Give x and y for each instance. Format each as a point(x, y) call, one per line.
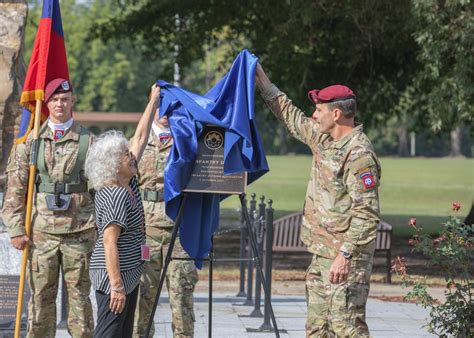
point(142, 132)
point(155, 95)
point(117, 301)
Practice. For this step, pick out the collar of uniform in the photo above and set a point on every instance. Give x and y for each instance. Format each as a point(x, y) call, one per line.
point(71, 134)
point(343, 141)
point(45, 132)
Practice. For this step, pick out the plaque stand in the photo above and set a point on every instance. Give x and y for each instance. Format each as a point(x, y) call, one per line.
point(211, 259)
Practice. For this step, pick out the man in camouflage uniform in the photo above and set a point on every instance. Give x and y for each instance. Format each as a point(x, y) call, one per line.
point(62, 236)
point(181, 276)
point(341, 210)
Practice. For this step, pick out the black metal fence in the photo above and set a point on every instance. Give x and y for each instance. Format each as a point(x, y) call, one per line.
point(262, 225)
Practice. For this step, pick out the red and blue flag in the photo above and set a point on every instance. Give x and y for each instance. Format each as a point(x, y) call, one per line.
point(48, 62)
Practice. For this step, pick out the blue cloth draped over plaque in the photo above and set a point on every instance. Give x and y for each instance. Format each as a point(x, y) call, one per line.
point(229, 104)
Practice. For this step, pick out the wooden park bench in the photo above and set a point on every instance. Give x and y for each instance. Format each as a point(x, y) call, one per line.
point(286, 238)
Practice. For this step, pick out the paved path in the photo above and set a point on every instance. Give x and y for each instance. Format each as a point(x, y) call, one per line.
point(230, 318)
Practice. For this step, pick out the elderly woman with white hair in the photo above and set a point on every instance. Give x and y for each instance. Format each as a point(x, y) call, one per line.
point(117, 260)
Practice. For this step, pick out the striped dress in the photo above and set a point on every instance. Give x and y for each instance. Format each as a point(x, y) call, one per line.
point(115, 205)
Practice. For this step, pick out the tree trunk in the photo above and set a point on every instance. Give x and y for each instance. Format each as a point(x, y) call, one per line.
point(283, 138)
point(403, 142)
point(470, 217)
point(12, 74)
point(456, 142)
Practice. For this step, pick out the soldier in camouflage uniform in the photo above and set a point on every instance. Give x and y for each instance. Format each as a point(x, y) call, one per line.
point(341, 210)
point(181, 275)
point(62, 236)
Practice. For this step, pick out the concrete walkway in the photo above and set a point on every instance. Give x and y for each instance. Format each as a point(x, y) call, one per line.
point(231, 319)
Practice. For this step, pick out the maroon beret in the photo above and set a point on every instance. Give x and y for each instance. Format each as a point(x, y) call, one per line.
point(56, 86)
point(331, 94)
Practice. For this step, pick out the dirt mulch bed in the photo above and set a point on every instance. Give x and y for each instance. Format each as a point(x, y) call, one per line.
point(292, 266)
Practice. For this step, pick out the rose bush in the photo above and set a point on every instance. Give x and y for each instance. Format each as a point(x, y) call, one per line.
point(451, 253)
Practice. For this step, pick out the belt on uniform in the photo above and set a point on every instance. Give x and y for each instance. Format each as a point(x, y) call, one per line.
point(61, 188)
point(152, 196)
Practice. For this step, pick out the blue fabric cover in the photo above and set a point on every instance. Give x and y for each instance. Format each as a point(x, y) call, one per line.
point(228, 104)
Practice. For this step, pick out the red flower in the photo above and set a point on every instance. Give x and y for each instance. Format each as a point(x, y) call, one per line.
point(456, 206)
point(412, 222)
point(438, 240)
point(399, 266)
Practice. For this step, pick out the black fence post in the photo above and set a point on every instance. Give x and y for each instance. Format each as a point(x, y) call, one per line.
point(249, 300)
point(266, 326)
point(260, 231)
point(243, 243)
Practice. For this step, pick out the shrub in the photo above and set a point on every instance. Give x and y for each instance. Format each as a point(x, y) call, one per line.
point(451, 253)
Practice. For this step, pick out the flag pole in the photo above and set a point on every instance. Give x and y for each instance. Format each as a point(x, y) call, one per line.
point(29, 207)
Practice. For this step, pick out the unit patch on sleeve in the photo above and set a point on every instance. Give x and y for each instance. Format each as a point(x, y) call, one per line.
point(367, 178)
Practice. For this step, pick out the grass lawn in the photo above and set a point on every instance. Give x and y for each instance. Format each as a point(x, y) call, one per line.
point(415, 187)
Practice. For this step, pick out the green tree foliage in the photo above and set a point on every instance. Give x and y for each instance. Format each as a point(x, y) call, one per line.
point(409, 62)
point(112, 76)
point(405, 59)
point(303, 44)
point(443, 83)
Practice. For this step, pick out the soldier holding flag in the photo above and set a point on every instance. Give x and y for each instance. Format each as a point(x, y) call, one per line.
point(54, 225)
point(63, 229)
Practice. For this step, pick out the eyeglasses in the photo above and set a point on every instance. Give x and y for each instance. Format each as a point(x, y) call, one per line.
point(128, 154)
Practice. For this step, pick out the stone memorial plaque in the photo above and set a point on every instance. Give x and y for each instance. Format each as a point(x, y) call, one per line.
point(208, 172)
point(8, 299)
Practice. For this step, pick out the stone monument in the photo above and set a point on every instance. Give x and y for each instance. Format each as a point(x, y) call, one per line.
point(12, 73)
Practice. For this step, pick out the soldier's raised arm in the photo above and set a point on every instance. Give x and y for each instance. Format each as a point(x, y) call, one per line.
point(298, 124)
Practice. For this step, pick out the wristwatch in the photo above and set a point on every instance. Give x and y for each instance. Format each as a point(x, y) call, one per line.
point(346, 255)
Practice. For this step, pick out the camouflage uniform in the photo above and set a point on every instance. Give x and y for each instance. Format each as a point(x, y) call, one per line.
point(341, 212)
point(181, 275)
point(61, 239)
